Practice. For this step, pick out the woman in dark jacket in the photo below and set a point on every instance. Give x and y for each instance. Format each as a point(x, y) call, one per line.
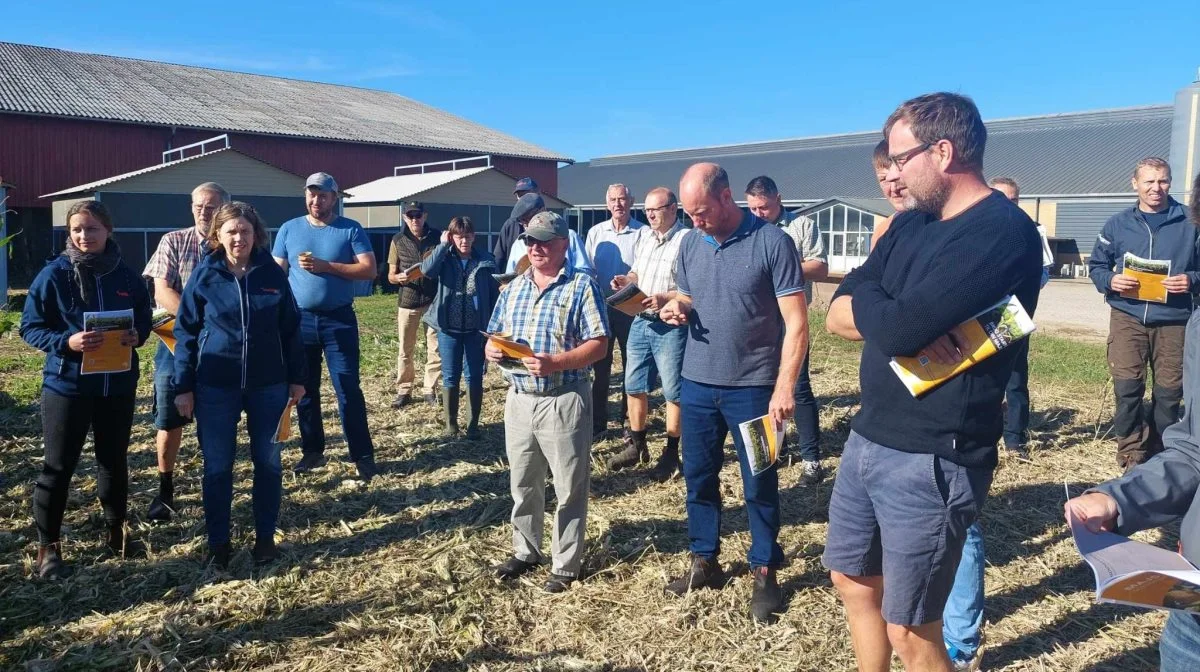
point(89, 276)
point(466, 294)
point(238, 349)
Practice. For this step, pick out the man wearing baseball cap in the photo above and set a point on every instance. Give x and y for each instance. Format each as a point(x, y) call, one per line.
point(324, 254)
point(526, 185)
point(560, 313)
point(412, 244)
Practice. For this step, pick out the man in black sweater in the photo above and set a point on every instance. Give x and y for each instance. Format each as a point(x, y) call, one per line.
point(915, 472)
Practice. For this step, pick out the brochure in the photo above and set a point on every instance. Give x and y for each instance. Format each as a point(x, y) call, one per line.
point(1150, 274)
point(1131, 572)
point(763, 441)
point(514, 351)
point(111, 356)
point(283, 430)
point(628, 300)
point(162, 324)
point(978, 338)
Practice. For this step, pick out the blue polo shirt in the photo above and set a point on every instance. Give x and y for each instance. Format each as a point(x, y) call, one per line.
point(341, 241)
point(735, 331)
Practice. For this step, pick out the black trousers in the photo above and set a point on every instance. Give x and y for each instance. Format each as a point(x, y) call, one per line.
point(619, 323)
point(65, 425)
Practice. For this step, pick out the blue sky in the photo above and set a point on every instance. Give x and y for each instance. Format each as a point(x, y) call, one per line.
point(591, 79)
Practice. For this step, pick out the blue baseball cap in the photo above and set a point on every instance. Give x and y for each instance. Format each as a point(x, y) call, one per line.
point(321, 182)
point(525, 184)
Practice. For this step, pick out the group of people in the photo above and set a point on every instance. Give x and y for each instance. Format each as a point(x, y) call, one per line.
point(723, 331)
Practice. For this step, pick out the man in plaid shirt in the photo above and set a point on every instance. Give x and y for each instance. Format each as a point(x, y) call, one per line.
point(169, 268)
point(654, 347)
point(560, 313)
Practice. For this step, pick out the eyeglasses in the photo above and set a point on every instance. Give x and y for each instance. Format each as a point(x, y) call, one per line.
point(662, 209)
point(898, 160)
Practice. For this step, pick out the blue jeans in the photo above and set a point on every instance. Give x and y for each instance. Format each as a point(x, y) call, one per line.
point(334, 334)
point(962, 617)
point(1179, 647)
point(654, 348)
point(166, 416)
point(808, 418)
point(1016, 420)
point(217, 412)
point(709, 412)
point(454, 348)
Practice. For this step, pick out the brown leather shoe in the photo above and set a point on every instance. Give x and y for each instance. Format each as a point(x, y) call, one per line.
point(703, 573)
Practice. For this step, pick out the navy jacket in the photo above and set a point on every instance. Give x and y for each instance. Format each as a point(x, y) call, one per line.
point(239, 334)
point(509, 231)
point(1175, 239)
point(443, 265)
point(54, 311)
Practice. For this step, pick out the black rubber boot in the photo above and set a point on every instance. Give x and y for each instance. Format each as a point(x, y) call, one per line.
point(450, 410)
point(475, 399)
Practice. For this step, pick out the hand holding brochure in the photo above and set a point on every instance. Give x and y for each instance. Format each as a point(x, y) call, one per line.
point(1150, 274)
point(1137, 574)
point(283, 431)
point(514, 351)
point(628, 300)
point(111, 356)
point(978, 338)
point(162, 324)
point(763, 441)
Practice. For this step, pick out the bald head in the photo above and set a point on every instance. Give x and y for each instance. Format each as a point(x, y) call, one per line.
point(705, 196)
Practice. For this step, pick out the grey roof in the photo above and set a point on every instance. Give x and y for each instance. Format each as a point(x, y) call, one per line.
point(40, 80)
point(1074, 153)
point(878, 206)
point(95, 186)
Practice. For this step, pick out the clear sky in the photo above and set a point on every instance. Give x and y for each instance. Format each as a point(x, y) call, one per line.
point(591, 79)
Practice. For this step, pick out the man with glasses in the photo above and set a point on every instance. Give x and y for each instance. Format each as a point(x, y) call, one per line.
point(412, 244)
point(915, 471)
point(169, 268)
point(764, 200)
point(654, 347)
point(610, 247)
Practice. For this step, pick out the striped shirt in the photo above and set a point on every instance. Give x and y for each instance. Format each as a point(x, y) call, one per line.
point(559, 319)
point(655, 257)
point(177, 255)
point(809, 243)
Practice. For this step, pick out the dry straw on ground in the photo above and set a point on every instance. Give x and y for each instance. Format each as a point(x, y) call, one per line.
point(394, 575)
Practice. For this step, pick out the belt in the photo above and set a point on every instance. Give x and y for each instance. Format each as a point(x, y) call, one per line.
point(553, 392)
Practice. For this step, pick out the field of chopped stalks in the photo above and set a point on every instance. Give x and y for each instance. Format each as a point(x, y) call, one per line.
point(394, 575)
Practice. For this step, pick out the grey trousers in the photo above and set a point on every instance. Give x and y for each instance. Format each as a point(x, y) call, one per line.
point(553, 432)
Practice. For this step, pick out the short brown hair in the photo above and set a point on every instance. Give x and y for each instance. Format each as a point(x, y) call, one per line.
point(460, 226)
point(1152, 162)
point(232, 211)
point(880, 159)
point(945, 116)
point(95, 209)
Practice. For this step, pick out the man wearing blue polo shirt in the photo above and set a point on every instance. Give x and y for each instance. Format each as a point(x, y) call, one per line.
point(324, 254)
point(741, 293)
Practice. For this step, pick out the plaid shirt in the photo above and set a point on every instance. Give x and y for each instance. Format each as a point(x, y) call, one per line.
point(654, 261)
point(178, 254)
point(803, 231)
point(570, 311)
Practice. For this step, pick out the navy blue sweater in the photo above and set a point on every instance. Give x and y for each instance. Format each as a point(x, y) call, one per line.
point(925, 277)
point(54, 311)
point(239, 334)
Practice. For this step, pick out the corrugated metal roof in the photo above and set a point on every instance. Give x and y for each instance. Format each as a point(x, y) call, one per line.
point(95, 186)
point(878, 206)
point(1075, 153)
point(40, 80)
point(415, 185)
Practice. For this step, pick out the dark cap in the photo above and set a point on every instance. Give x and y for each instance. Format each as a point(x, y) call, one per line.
point(546, 225)
point(410, 206)
point(322, 182)
point(525, 184)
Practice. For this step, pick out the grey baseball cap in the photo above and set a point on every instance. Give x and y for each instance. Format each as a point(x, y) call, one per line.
point(546, 225)
point(322, 182)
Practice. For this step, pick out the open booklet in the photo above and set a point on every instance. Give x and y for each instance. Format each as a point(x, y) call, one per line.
point(111, 356)
point(162, 324)
point(628, 300)
point(514, 351)
point(1150, 274)
point(978, 338)
point(283, 430)
point(763, 442)
point(1141, 575)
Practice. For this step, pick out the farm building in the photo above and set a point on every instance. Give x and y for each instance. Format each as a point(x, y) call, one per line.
point(69, 118)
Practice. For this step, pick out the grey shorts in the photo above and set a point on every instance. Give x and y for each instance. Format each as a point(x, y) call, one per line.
point(903, 516)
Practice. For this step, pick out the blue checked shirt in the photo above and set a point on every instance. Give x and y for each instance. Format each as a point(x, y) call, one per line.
point(570, 311)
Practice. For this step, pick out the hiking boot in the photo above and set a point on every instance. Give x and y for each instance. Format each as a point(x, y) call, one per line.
point(160, 510)
point(635, 451)
point(811, 472)
point(265, 552)
point(703, 573)
point(400, 401)
point(366, 468)
point(513, 568)
point(475, 401)
point(766, 603)
point(450, 411)
point(557, 583)
point(667, 465)
point(308, 462)
point(50, 565)
point(218, 555)
point(120, 545)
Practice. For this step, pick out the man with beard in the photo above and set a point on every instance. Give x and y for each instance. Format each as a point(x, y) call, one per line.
point(169, 268)
point(324, 254)
point(915, 471)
